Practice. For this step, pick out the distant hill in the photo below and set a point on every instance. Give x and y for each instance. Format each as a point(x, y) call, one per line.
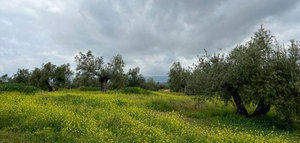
point(161, 79)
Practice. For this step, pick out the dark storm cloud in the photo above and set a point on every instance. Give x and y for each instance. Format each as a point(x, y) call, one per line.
point(149, 34)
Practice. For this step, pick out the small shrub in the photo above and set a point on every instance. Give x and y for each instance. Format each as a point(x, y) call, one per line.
point(18, 87)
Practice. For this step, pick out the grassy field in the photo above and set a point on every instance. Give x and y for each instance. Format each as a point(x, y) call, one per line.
point(90, 116)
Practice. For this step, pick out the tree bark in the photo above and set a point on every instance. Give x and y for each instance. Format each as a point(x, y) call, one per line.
point(50, 88)
point(262, 108)
point(103, 84)
point(240, 107)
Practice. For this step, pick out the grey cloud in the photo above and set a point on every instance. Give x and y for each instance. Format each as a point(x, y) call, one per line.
point(149, 34)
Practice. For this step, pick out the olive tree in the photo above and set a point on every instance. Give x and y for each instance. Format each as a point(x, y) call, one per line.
point(82, 79)
point(91, 66)
point(47, 75)
point(51, 77)
point(119, 78)
point(285, 81)
point(5, 79)
point(239, 76)
point(260, 72)
point(135, 79)
point(22, 76)
point(35, 78)
point(177, 77)
point(62, 76)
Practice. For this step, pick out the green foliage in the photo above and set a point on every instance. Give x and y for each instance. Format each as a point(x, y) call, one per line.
point(177, 77)
point(85, 80)
point(62, 75)
point(261, 72)
point(89, 64)
point(135, 79)
point(22, 76)
point(5, 79)
point(90, 67)
point(51, 77)
point(35, 78)
point(284, 81)
point(119, 78)
point(18, 87)
point(118, 81)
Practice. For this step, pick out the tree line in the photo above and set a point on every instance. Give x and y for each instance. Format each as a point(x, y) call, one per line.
point(91, 71)
point(261, 72)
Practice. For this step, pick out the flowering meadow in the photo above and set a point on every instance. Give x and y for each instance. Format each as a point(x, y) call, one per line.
point(90, 116)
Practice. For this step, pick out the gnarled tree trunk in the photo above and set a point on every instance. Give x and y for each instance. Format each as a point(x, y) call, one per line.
point(262, 108)
point(240, 107)
point(50, 88)
point(103, 81)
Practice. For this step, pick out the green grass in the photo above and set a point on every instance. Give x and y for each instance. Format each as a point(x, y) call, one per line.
point(90, 116)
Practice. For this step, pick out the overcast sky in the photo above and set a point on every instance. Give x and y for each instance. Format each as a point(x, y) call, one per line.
point(148, 34)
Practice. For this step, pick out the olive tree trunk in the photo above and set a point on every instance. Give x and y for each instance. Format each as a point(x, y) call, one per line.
point(50, 88)
point(240, 107)
point(262, 108)
point(103, 81)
